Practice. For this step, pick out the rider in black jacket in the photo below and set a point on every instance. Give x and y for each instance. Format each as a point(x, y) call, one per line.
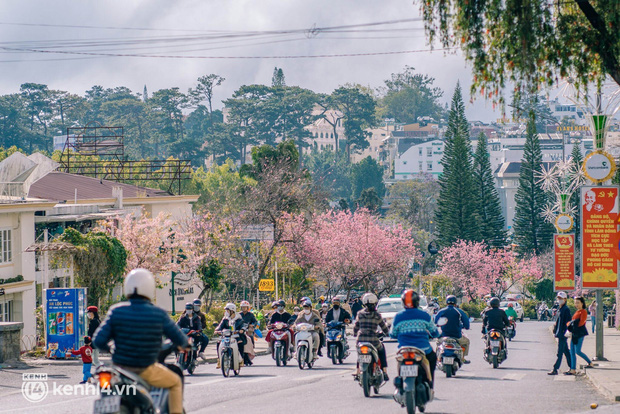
point(337, 313)
point(495, 318)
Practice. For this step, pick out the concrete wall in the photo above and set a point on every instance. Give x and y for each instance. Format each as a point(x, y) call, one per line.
point(10, 339)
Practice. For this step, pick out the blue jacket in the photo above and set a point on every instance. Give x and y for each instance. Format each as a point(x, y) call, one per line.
point(412, 327)
point(564, 317)
point(137, 328)
point(457, 320)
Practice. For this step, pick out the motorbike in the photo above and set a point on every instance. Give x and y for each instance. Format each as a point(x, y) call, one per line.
point(123, 391)
point(304, 345)
point(511, 330)
point(280, 343)
point(543, 314)
point(413, 390)
point(449, 355)
point(230, 357)
point(336, 340)
point(187, 359)
point(495, 352)
point(371, 372)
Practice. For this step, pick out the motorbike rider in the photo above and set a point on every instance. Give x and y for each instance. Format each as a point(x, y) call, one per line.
point(137, 351)
point(307, 316)
point(337, 313)
point(511, 312)
point(495, 318)
point(189, 320)
point(321, 330)
point(204, 340)
point(324, 310)
point(250, 319)
point(280, 315)
point(457, 321)
point(412, 327)
point(233, 321)
point(366, 324)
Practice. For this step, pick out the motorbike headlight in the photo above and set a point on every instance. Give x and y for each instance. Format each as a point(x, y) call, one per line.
point(339, 337)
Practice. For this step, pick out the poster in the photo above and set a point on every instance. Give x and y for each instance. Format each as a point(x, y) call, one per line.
point(65, 321)
point(599, 212)
point(564, 262)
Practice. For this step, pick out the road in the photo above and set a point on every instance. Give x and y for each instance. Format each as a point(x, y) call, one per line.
point(520, 385)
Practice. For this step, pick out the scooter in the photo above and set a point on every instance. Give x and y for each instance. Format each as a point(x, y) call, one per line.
point(495, 352)
point(511, 330)
point(229, 355)
point(543, 314)
point(280, 341)
point(304, 345)
point(449, 355)
point(336, 340)
point(413, 390)
point(123, 391)
point(187, 359)
point(371, 372)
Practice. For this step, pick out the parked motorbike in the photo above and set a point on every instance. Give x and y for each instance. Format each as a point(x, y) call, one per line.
point(187, 359)
point(511, 330)
point(304, 345)
point(280, 338)
point(230, 358)
point(371, 372)
point(123, 391)
point(412, 387)
point(495, 352)
point(449, 355)
point(336, 340)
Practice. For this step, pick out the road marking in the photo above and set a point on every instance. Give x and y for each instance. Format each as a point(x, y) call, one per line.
point(208, 382)
point(258, 379)
point(565, 378)
point(514, 377)
point(309, 377)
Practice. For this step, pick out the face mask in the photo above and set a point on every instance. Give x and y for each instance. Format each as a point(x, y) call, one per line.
point(227, 314)
point(562, 301)
point(280, 309)
point(196, 308)
point(189, 312)
point(307, 311)
point(336, 307)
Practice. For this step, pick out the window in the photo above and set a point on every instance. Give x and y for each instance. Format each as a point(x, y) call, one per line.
point(420, 166)
point(420, 152)
point(404, 162)
point(6, 255)
point(429, 151)
point(429, 166)
point(6, 311)
point(321, 135)
point(331, 135)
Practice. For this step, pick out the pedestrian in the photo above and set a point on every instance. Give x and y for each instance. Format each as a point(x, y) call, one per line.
point(560, 328)
point(93, 324)
point(579, 331)
point(592, 310)
point(356, 307)
point(86, 352)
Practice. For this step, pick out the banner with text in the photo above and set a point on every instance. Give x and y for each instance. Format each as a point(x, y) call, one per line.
point(564, 262)
point(599, 214)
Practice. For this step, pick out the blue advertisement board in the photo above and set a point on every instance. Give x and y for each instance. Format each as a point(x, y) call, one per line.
point(65, 323)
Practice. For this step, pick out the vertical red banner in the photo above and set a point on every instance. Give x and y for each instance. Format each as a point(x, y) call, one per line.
point(599, 228)
point(564, 262)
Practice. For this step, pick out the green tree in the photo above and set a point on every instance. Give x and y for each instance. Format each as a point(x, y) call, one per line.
point(488, 206)
point(204, 91)
point(167, 109)
point(532, 234)
point(330, 172)
point(456, 210)
point(370, 200)
point(278, 77)
point(414, 202)
point(529, 43)
point(367, 174)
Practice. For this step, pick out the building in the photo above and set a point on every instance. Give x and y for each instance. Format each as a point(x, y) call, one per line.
point(422, 157)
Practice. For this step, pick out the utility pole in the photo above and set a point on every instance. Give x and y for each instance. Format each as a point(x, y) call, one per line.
point(600, 353)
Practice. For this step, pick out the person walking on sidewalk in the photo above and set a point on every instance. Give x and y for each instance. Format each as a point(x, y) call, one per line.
point(579, 331)
point(561, 325)
point(592, 310)
point(86, 352)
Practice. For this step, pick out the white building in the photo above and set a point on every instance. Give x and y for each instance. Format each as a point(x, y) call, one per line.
point(423, 157)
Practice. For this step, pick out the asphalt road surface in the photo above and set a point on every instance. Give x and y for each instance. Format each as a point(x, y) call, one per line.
point(520, 385)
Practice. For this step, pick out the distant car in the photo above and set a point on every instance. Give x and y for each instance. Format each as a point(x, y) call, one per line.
point(517, 307)
point(389, 307)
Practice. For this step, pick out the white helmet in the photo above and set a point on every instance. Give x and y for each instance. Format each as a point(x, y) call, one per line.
point(231, 307)
point(140, 282)
point(244, 303)
point(369, 298)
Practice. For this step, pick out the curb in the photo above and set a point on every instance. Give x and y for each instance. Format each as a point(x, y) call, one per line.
point(601, 387)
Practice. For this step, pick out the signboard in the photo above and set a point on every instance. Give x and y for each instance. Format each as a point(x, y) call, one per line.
point(257, 232)
point(599, 166)
point(65, 323)
point(564, 223)
point(599, 214)
point(564, 262)
point(266, 285)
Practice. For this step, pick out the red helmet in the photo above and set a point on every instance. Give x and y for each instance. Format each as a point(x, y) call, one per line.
point(92, 309)
point(410, 299)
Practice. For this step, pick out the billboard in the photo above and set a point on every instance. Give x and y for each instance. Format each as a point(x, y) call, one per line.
point(599, 214)
point(564, 262)
point(65, 323)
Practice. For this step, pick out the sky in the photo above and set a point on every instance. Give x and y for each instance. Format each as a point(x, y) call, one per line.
point(197, 31)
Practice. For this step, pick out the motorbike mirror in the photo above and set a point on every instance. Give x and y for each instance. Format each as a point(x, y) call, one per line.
point(442, 321)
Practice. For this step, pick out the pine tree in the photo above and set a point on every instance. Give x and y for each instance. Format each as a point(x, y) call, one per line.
point(278, 77)
point(145, 94)
point(488, 206)
point(456, 209)
point(532, 234)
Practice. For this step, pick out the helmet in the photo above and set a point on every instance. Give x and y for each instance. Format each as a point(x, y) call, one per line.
point(322, 297)
point(305, 298)
point(336, 300)
point(510, 305)
point(281, 303)
point(140, 282)
point(451, 300)
point(324, 305)
point(410, 299)
point(296, 309)
point(197, 302)
point(92, 309)
point(369, 299)
point(189, 306)
point(244, 304)
point(274, 304)
point(494, 302)
point(231, 307)
point(306, 303)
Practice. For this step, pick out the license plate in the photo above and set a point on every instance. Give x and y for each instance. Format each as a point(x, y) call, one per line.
point(108, 405)
point(407, 371)
point(494, 343)
point(365, 359)
point(448, 360)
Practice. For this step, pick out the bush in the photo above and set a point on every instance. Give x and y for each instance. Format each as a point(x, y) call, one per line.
point(473, 309)
point(529, 309)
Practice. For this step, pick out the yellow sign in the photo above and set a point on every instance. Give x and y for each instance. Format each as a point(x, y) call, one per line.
point(266, 285)
point(573, 128)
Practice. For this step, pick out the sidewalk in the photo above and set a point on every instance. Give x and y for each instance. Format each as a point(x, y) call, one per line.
point(606, 374)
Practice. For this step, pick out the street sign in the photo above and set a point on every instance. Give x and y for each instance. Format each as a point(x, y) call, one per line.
point(433, 248)
point(599, 214)
point(257, 232)
point(564, 223)
point(564, 262)
point(266, 285)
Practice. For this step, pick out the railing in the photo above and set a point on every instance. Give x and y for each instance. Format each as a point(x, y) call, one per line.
point(12, 192)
